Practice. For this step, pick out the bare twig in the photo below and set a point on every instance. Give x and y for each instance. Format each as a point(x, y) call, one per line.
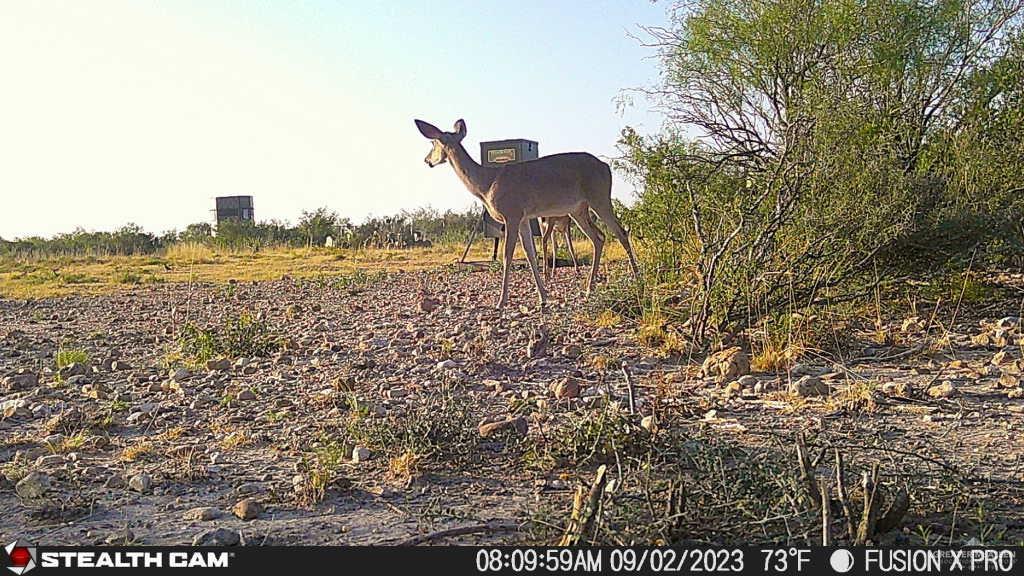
point(492, 526)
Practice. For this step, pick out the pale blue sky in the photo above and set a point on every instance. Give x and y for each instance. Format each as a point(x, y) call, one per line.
point(133, 111)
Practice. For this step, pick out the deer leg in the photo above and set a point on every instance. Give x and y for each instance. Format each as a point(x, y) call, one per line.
point(544, 250)
point(607, 215)
point(572, 251)
point(510, 248)
point(526, 235)
point(582, 220)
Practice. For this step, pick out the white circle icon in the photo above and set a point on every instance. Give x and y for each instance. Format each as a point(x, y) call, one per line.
point(841, 561)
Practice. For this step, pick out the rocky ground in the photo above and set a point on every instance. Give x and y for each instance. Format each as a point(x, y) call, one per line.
point(403, 405)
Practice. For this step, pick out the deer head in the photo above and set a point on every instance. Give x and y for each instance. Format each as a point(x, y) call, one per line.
point(443, 141)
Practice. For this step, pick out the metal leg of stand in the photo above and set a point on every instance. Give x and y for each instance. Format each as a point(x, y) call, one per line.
point(472, 237)
point(494, 256)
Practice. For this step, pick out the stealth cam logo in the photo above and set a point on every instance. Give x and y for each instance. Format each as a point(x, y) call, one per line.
point(20, 557)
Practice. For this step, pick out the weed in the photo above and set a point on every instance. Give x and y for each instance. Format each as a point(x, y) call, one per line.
point(607, 319)
point(439, 429)
point(138, 450)
point(66, 357)
point(240, 336)
point(321, 470)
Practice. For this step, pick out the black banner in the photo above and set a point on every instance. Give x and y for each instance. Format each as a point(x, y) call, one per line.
point(27, 558)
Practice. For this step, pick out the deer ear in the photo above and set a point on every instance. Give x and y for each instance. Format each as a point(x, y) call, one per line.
point(460, 128)
point(428, 130)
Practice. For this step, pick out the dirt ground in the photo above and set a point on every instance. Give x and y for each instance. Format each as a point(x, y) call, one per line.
point(126, 446)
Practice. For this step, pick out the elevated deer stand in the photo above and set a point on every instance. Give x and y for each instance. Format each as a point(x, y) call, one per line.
point(496, 153)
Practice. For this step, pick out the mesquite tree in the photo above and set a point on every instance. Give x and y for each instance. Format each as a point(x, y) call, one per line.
point(809, 139)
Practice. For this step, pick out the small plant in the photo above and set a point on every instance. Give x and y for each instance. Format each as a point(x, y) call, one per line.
point(595, 437)
point(14, 471)
point(321, 471)
point(128, 277)
point(607, 319)
point(66, 357)
point(71, 443)
point(405, 466)
point(439, 430)
point(241, 336)
point(138, 450)
point(235, 440)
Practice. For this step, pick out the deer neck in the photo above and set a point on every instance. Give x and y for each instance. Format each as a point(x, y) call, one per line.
point(476, 178)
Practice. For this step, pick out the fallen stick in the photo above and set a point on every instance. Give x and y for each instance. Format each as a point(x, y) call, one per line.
point(629, 388)
point(492, 526)
point(583, 515)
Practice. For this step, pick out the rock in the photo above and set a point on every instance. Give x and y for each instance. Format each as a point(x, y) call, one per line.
point(733, 388)
point(428, 304)
point(808, 386)
point(649, 423)
point(218, 365)
point(217, 537)
point(115, 482)
point(912, 325)
point(96, 391)
point(1008, 380)
point(447, 365)
point(944, 390)
point(247, 509)
point(538, 344)
point(74, 369)
point(572, 350)
point(120, 366)
point(140, 483)
point(360, 454)
point(121, 537)
point(726, 365)
point(1000, 358)
point(1015, 393)
point(180, 374)
point(566, 388)
point(896, 388)
point(246, 395)
point(747, 381)
point(32, 486)
point(19, 382)
point(518, 424)
point(1008, 323)
point(202, 514)
point(19, 407)
point(49, 461)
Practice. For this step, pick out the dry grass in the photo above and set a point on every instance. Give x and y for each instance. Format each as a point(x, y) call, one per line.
point(190, 262)
point(135, 451)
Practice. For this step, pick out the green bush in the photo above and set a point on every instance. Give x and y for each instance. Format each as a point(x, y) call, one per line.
point(815, 146)
point(239, 336)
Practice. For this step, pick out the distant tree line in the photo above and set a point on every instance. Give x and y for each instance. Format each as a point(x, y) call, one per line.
point(420, 227)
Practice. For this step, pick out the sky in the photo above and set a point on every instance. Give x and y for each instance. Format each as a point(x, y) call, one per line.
point(138, 111)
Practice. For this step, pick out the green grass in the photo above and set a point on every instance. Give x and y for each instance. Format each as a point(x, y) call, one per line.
point(68, 356)
point(239, 336)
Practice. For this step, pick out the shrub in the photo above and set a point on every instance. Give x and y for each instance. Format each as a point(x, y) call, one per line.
point(239, 336)
point(833, 143)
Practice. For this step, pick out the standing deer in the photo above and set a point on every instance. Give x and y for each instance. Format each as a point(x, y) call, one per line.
point(550, 228)
point(573, 183)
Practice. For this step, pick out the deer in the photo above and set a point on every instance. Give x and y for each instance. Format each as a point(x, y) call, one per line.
point(549, 226)
point(572, 183)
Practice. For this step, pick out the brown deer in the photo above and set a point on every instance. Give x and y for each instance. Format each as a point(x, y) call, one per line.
point(572, 183)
